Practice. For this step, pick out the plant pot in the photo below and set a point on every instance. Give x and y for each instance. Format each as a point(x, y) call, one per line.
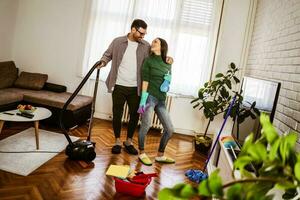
point(202, 143)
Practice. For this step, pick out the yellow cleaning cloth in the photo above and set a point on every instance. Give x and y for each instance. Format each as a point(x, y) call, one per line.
point(120, 171)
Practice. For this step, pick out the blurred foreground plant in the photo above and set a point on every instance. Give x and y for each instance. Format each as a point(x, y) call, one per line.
point(277, 164)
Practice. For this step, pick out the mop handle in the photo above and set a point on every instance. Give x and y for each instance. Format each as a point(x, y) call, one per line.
point(216, 141)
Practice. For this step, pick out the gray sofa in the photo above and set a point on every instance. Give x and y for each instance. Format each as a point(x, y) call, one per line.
point(32, 88)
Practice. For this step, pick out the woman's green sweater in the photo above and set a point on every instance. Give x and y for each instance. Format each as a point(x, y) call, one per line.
point(153, 71)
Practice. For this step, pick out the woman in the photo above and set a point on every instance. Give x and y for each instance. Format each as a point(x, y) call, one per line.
point(156, 76)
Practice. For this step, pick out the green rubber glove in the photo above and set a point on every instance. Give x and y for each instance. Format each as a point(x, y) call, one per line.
point(143, 106)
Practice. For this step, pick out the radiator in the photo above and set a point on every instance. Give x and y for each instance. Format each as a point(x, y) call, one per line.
point(155, 121)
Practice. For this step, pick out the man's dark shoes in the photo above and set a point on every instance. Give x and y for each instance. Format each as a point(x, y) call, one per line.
point(130, 149)
point(116, 149)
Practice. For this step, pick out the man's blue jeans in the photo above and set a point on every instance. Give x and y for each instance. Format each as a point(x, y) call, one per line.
point(163, 115)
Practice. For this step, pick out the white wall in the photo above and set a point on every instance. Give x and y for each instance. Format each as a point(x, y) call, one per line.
point(49, 39)
point(8, 11)
point(232, 34)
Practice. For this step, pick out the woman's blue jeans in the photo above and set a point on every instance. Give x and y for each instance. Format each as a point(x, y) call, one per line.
point(163, 115)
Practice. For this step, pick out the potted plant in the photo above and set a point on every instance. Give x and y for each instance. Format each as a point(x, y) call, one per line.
point(241, 111)
point(213, 99)
point(278, 167)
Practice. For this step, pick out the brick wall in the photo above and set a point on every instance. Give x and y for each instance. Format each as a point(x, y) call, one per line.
point(275, 54)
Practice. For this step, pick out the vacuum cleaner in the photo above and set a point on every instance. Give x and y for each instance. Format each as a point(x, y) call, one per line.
point(82, 149)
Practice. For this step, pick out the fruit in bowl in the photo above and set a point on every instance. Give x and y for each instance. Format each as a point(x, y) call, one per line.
point(26, 108)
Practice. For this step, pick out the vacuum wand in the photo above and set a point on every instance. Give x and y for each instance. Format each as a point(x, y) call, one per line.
point(99, 63)
point(82, 149)
point(93, 105)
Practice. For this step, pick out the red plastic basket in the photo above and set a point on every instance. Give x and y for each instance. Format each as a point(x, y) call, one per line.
point(134, 187)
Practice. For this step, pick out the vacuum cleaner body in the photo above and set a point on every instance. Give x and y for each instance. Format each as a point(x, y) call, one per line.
point(81, 150)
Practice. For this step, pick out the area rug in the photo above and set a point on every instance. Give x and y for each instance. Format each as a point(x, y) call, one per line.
point(25, 163)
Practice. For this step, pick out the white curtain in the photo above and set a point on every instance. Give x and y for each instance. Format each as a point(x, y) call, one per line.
point(187, 26)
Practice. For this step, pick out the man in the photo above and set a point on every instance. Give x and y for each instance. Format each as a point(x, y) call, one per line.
point(124, 80)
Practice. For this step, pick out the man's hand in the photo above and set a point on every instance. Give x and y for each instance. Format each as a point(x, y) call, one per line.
point(101, 64)
point(169, 60)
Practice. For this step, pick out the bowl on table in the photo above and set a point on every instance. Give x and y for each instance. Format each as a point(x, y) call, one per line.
point(28, 109)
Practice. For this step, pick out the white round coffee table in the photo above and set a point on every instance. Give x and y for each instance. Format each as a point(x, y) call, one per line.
point(39, 114)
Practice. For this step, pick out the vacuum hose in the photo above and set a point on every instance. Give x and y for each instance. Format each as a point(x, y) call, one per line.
point(82, 149)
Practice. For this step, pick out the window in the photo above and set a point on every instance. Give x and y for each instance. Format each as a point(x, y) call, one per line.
point(187, 26)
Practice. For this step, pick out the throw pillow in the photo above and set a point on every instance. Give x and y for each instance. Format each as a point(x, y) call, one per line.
point(8, 74)
point(33, 81)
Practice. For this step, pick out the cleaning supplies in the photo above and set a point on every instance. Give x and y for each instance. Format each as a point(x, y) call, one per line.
point(165, 86)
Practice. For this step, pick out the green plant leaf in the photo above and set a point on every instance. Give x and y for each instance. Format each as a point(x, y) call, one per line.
point(228, 83)
point(200, 95)
point(196, 105)
point(219, 75)
point(271, 169)
point(224, 92)
point(284, 185)
point(248, 142)
point(253, 105)
point(178, 186)
point(246, 174)
point(297, 170)
point(291, 139)
point(168, 194)
point(256, 111)
point(258, 152)
point(268, 130)
point(233, 112)
point(241, 119)
point(187, 191)
point(242, 161)
point(194, 100)
point(274, 149)
point(235, 192)
point(236, 80)
point(215, 183)
point(284, 150)
point(203, 189)
point(232, 66)
point(258, 190)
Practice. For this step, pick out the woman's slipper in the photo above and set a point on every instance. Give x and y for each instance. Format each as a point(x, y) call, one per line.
point(164, 159)
point(145, 159)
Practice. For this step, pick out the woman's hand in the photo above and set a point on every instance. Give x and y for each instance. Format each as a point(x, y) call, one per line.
point(143, 106)
point(169, 60)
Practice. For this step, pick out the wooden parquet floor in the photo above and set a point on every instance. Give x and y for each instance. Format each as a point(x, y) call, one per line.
point(61, 178)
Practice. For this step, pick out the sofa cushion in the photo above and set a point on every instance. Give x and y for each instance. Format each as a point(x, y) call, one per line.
point(8, 74)
point(33, 81)
point(54, 87)
point(57, 100)
point(10, 95)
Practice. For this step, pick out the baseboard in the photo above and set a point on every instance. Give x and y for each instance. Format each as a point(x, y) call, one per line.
point(105, 116)
point(184, 131)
